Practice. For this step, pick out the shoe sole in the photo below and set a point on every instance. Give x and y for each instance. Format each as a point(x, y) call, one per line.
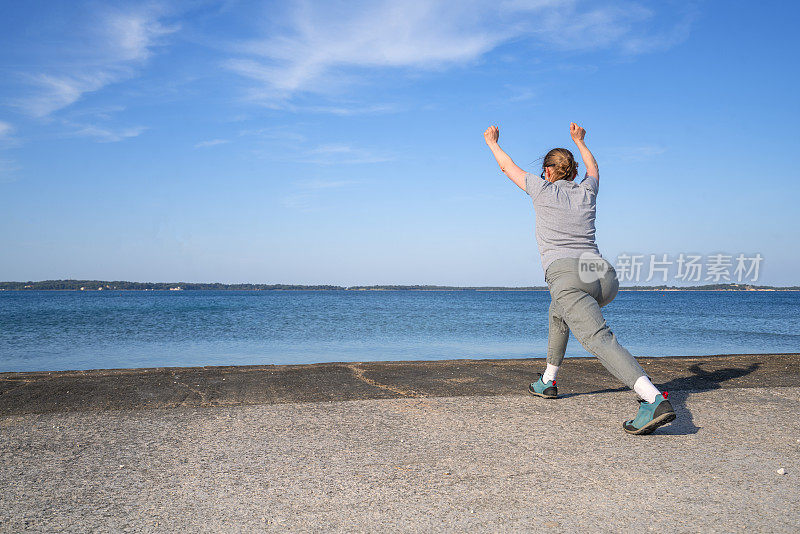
point(652, 425)
point(542, 395)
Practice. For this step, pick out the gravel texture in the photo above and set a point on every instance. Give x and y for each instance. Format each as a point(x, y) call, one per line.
point(468, 463)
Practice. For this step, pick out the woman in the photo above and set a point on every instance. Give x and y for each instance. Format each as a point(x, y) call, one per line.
point(580, 280)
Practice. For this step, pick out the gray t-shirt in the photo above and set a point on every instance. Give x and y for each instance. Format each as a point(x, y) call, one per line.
point(565, 213)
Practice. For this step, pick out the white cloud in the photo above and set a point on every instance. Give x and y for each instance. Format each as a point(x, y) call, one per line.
point(285, 145)
point(94, 113)
point(339, 154)
point(333, 149)
point(637, 152)
point(519, 94)
point(132, 35)
point(108, 135)
point(328, 47)
point(666, 39)
point(5, 130)
point(211, 142)
point(570, 28)
point(117, 45)
point(278, 133)
point(315, 185)
point(324, 37)
point(348, 110)
point(59, 91)
point(7, 139)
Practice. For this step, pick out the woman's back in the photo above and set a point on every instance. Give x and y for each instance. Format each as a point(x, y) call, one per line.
point(565, 216)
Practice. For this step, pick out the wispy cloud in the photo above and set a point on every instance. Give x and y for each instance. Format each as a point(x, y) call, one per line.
point(338, 154)
point(118, 43)
point(671, 36)
point(346, 110)
point(59, 91)
point(321, 42)
point(5, 130)
point(92, 113)
point(326, 49)
point(279, 133)
point(211, 142)
point(316, 185)
point(637, 152)
point(281, 144)
point(8, 137)
point(109, 135)
point(518, 94)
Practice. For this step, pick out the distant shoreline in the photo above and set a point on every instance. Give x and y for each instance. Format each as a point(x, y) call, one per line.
point(104, 285)
point(508, 290)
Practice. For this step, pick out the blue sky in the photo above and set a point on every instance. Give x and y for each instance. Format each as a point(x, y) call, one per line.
point(341, 142)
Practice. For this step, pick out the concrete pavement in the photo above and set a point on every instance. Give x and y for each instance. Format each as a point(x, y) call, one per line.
point(133, 389)
point(382, 456)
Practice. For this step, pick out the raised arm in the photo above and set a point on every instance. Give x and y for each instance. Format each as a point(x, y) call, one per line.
point(577, 133)
point(517, 175)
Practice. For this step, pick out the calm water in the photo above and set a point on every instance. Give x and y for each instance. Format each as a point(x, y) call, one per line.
point(49, 330)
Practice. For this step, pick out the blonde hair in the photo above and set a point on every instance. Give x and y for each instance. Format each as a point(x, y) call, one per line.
point(563, 163)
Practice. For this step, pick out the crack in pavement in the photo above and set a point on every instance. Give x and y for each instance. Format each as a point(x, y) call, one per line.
point(358, 372)
point(203, 399)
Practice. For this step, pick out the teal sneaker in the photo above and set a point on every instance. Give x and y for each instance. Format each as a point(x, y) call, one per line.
point(546, 390)
point(651, 416)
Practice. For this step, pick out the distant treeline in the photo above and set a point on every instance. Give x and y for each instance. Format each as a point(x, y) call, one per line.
point(711, 287)
point(443, 288)
point(94, 285)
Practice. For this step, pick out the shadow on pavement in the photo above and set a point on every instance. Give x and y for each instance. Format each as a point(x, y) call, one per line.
point(700, 380)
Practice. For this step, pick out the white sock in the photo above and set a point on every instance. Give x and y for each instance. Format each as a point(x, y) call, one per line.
point(550, 373)
point(645, 389)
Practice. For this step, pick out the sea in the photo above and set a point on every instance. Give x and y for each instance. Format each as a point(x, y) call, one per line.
point(77, 330)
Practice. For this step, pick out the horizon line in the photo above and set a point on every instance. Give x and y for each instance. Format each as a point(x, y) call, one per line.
point(113, 285)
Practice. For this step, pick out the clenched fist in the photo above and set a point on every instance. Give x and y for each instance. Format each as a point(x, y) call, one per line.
point(576, 132)
point(492, 134)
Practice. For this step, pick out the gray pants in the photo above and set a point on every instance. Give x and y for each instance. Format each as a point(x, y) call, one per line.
point(575, 306)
